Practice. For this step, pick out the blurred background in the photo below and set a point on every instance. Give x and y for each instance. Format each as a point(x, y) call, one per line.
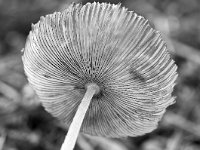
point(24, 125)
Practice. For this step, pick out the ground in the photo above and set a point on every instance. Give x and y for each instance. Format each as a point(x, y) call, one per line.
point(25, 125)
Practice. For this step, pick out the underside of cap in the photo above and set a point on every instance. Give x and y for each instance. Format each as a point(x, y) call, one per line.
point(113, 48)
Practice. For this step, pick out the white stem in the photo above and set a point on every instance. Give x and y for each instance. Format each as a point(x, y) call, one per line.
point(75, 126)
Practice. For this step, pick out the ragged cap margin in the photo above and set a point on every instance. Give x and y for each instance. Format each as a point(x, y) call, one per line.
point(109, 45)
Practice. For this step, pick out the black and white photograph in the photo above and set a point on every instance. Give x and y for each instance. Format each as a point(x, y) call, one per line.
point(99, 75)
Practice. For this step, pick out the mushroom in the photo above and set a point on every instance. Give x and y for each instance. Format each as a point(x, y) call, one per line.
point(100, 69)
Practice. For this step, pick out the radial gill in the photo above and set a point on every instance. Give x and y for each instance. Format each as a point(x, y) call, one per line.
point(112, 47)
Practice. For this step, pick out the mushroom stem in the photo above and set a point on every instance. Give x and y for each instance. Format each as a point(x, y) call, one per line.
point(75, 126)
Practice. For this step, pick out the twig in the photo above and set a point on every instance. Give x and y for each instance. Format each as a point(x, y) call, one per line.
point(2, 140)
point(83, 143)
point(183, 50)
point(181, 123)
point(9, 92)
point(105, 143)
point(174, 142)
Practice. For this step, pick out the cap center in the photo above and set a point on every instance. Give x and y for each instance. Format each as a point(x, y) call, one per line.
point(93, 86)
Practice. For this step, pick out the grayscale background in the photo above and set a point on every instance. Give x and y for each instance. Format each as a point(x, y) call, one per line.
point(24, 125)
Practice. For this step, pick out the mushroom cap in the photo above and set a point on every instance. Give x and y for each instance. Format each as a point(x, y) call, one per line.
point(108, 45)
